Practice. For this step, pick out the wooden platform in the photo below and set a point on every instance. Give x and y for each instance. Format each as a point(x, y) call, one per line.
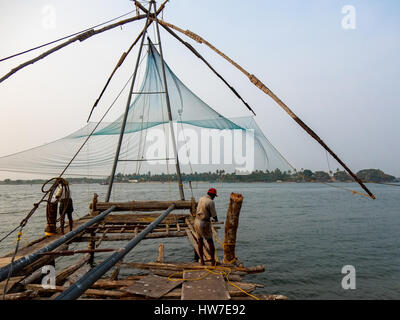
point(153, 286)
point(191, 280)
point(203, 285)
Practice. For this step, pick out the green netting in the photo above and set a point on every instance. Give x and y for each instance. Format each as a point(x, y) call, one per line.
point(206, 140)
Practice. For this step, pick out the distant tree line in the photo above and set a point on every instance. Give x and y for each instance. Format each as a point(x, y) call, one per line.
point(366, 175)
point(304, 175)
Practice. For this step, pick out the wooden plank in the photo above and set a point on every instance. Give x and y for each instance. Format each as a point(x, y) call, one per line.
point(153, 286)
point(192, 241)
point(206, 247)
point(204, 286)
point(65, 273)
point(77, 275)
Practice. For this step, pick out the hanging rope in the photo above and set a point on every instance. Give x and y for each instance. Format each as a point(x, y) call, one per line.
point(12, 261)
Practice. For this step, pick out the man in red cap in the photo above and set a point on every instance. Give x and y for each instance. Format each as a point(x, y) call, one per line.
point(202, 224)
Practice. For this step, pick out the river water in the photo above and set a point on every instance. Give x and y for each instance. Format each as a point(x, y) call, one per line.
point(304, 234)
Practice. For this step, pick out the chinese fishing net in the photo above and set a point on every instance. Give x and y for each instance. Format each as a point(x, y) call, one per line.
point(206, 140)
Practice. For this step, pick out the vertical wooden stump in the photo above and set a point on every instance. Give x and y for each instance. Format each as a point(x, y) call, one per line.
point(93, 205)
point(193, 207)
point(231, 225)
point(160, 257)
point(91, 246)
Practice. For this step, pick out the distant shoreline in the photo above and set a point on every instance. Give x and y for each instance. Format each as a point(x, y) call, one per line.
point(220, 176)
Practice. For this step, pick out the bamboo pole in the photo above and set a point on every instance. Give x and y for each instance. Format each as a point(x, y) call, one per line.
point(231, 225)
point(267, 91)
point(177, 166)
point(78, 288)
point(121, 61)
point(27, 261)
point(81, 37)
point(125, 117)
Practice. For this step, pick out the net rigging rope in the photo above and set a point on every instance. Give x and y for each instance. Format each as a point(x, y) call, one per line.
point(65, 37)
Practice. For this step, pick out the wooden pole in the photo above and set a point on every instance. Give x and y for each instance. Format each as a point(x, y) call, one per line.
point(267, 91)
point(123, 124)
point(149, 205)
point(160, 257)
point(91, 247)
point(231, 225)
point(177, 166)
point(93, 205)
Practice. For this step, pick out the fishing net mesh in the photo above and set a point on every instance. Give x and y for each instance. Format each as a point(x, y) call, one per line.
point(206, 140)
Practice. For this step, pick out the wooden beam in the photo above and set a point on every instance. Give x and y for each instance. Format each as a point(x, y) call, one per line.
point(79, 273)
point(19, 296)
point(196, 266)
point(65, 273)
point(124, 237)
point(144, 205)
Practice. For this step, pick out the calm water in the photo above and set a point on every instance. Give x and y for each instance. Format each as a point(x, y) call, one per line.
point(303, 233)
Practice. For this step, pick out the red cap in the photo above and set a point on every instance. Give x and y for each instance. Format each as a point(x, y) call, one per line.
point(212, 191)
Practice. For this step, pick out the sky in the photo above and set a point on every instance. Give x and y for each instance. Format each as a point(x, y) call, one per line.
point(337, 70)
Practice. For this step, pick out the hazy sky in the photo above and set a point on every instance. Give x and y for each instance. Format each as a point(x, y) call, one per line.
point(344, 83)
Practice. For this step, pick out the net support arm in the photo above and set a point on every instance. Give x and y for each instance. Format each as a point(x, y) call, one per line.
point(77, 289)
point(267, 91)
point(122, 59)
point(197, 54)
point(81, 37)
point(18, 265)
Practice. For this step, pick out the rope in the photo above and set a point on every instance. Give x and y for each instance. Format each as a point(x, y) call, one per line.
point(81, 37)
point(12, 261)
point(267, 91)
point(11, 232)
point(325, 183)
point(65, 37)
point(36, 205)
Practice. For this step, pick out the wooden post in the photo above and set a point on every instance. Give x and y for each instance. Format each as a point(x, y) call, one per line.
point(160, 257)
point(93, 205)
point(193, 207)
point(91, 246)
point(231, 225)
